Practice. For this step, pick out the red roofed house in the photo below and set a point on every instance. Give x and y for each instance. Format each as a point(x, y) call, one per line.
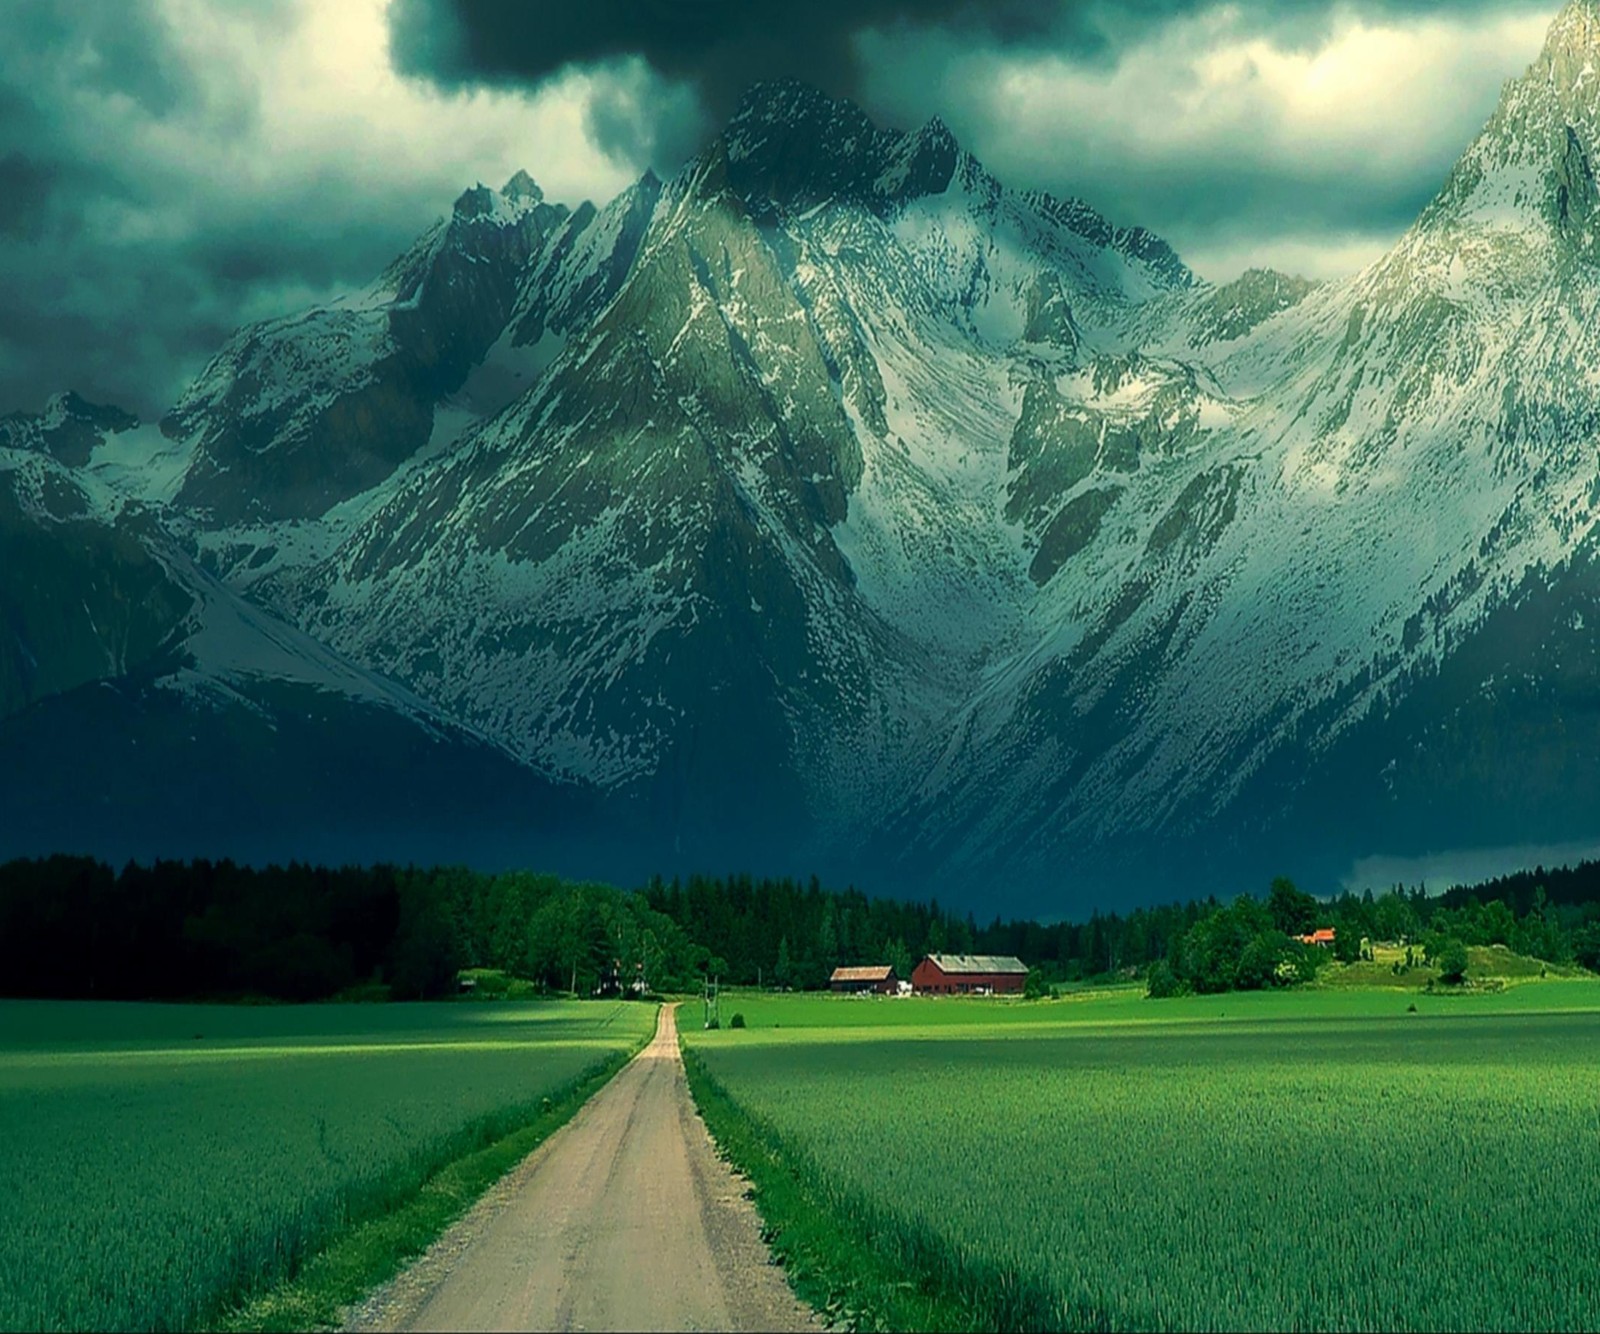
point(878, 977)
point(1323, 936)
point(969, 975)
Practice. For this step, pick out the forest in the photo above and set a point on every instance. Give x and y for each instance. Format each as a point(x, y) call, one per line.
point(76, 927)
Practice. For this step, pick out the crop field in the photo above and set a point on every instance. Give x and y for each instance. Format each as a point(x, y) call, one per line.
point(1297, 1160)
point(160, 1159)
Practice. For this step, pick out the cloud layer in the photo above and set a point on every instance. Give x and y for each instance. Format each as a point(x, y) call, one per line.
point(1301, 133)
point(173, 168)
point(1240, 142)
point(170, 169)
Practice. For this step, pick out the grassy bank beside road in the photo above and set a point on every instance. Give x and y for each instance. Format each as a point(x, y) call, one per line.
point(164, 1163)
point(1291, 1160)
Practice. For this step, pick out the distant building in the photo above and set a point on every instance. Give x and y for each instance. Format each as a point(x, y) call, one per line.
point(1322, 936)
point(969, 975)
point(877, 977)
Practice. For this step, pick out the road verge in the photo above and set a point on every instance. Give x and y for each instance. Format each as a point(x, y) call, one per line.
point(372, 1249)
point(829, 1253)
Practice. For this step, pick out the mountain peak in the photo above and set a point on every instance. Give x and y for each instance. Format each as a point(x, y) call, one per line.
point(513, 202)
point(69, 427)
point(1571, 56)
point(1578, 24)
point(792, 146)
point(793, 103)
point(70, 405)
point(791, 143)
point(1533, 164)
point(523, 187)
point(474, 202)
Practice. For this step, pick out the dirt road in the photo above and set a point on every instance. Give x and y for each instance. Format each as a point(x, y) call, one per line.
point(623, 1219)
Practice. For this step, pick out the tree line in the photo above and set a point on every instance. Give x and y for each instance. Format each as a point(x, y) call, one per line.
point(1253, 944)
point(72, 927)
point(75, 927)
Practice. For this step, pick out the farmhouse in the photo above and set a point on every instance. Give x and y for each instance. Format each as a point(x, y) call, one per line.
point(878, 977)
point(969, 974)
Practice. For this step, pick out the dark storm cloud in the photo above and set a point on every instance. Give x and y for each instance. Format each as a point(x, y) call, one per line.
point(148, 206)
point(905, 60)
point(722, 46)
point(25, 190)
point(80, 309)
point(122, 47)
point(170, 170)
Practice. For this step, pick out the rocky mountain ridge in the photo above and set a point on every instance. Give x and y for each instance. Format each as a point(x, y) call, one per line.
point(830, 504)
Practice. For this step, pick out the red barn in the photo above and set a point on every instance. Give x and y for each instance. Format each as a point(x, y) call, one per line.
point(969, 975)
point(875, 977)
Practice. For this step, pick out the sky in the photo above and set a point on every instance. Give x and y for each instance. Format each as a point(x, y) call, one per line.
point(172, 169)
point(1439, 871)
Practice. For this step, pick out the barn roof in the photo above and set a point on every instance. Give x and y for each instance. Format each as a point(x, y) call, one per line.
point(877, 972)
point(978, 963)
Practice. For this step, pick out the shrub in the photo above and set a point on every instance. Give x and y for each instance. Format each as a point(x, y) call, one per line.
point(737, 1021)
point(1259, 961)
point(1452, 960)
point(1162, 981)
point(1301, 962)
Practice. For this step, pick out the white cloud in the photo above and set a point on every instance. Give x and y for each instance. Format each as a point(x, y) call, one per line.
point(220, 161)
point(1224, 257)
point(325, 100)
point(1237, 146)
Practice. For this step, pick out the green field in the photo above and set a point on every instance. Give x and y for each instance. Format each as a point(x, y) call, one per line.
point(1265, 1161)
point(161, 1160)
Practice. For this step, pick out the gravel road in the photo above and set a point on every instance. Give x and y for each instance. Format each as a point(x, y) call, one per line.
point(624, 1219)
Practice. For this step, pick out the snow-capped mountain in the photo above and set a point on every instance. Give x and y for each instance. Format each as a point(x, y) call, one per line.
point(831, 504)
point(147, 709)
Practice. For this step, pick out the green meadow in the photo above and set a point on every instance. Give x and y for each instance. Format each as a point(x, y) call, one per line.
point(163, 1162)
point(1300, 1159)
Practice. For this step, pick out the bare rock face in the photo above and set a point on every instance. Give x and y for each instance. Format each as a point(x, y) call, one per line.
point(68, 429)
point(296, 415)
point(83, 598)
point(1233, 310)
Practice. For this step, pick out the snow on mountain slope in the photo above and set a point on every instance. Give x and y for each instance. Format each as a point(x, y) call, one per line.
point(832, 504)
point(1390, 458)
point(82, 596)
point(297, 414)
point(94, 588)
point(746, 535)
point(146, 710)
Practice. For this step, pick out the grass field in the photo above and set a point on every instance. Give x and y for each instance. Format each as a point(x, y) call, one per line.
point(1292, 1160)
point(161, 1161)
point(1490, 967)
